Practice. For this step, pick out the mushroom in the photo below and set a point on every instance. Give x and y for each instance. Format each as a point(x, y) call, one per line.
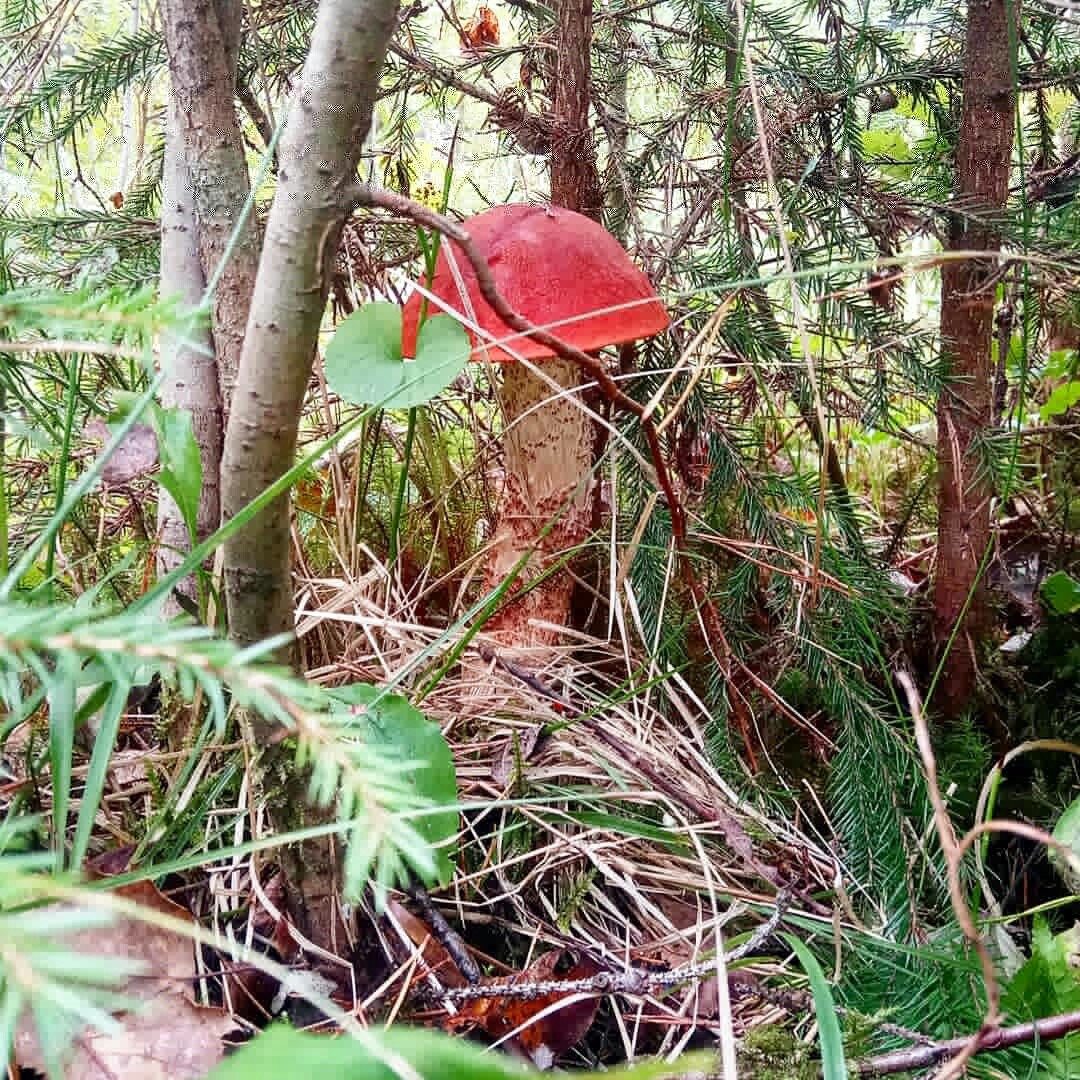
point(567, 274)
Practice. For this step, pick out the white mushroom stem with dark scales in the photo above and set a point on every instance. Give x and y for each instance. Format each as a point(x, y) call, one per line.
point(560, 270)
point(548, 452)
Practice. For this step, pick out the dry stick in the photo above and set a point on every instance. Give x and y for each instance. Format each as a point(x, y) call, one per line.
point(370, 195)
point(629, 980)
point(953, 854)
point(447, 935)
point(922, 1057)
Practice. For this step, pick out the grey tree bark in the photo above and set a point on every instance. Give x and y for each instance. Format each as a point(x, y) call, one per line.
point(191, 381)
point(202, 38)
point(320, 148)
point(204, 191)
point(329, 118)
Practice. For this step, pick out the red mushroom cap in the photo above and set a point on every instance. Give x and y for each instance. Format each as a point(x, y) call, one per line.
point(560, 270)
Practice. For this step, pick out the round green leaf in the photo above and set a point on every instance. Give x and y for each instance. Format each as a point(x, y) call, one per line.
point(1067, 833)
point(1062, 593)
point(363, 360)
point(390, 722)
point(364, 363)
point(442, 351)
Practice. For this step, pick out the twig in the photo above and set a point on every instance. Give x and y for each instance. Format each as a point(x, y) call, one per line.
point(628, 980)
point(953, 855)
point(447, 935)
point(922, 1057)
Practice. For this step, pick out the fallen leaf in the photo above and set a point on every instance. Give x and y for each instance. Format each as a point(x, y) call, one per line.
point(546, 1038)
point(136, 456)
point(169, 1037)
point(481, 30)
point(439, 962)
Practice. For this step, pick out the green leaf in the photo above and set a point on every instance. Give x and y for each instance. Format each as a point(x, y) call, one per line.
point(364, 364)
point(180, 472)
point(888, 143)
point(1067, 833)
point(389, 722)
point(1061, 400)
point(281, 1052)
point(1061, 593)
point(833, 1066)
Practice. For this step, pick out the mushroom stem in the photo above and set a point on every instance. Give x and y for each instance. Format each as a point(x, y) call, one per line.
point(548, 452)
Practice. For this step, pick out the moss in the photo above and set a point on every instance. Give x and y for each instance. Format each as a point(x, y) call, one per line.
point(773, 1053)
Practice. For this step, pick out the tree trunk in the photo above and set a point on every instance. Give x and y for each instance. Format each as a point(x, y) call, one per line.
point(192, 380)
point(329, 117)
point(548, 452)
point(202, 38)
point(983, 158)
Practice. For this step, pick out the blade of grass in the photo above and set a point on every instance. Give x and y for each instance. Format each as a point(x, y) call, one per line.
point(833, 1066)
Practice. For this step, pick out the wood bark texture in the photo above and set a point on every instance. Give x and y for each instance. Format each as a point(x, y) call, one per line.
point(549, 449)
point(191, 381)
point(965, 489)
point(202, 38)
point(329, 118)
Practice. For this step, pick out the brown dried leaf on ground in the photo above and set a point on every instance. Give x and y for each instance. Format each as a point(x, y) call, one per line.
point(169, 1037)
point(543, 1038)
point(439, 962)
point(136, 456)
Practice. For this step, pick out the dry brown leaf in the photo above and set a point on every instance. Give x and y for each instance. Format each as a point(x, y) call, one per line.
point(434, 954)
point(482, 29)
point(136, 456)
point(169, 1037)
point(546, 1039)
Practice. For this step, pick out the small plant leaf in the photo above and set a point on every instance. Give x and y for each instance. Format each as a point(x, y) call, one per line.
point(364, 364)
point(180, 473)
point(833, 1066)
point(442, 351)
point(1062, 593)
point(281, 1052)
point(389, 722)
point(1061, 400)
point(1067, 833)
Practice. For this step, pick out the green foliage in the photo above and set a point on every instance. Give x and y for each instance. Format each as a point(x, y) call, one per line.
point(364, 363)
point(280, 1051)
point(833, 1066)
point(180, 471)
point(1067, 833)
point(1062, 593)
point(77, 92)
point(417, 746)
point(1047, 985)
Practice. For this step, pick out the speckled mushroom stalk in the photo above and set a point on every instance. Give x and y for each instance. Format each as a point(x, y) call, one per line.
point(547, 454)
point(565, 273)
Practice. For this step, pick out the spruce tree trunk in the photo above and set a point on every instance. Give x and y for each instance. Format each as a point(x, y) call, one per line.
point(549, 451)
point(964, 415)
